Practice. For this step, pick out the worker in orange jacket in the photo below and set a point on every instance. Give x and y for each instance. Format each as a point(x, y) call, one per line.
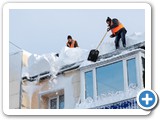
point(118, 31)
point(71, 43)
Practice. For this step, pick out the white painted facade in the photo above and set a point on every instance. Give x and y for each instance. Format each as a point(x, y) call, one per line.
point(15, 65)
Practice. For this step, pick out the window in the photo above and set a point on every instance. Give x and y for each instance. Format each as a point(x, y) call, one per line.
point(116, 76)
point(89, 84)
point(131, 70)
point(143, 71)
point(110, 78)
point(53, 103)
point(61, 102)
point(57, 102)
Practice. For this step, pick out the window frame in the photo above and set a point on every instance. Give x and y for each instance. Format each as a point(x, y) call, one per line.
point(141, 68)
point(137, 57)
point(57, 98)
point(46, 93)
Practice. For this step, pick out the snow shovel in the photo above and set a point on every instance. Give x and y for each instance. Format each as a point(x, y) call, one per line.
point(93, 55)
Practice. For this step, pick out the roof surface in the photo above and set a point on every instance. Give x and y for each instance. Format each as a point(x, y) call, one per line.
point(104, 56)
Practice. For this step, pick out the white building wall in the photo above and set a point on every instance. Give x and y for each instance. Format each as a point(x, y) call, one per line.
point(14, 80)
point(71, 83)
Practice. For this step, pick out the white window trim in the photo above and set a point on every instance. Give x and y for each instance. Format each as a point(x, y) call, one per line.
point(137, 57)
point(94, 84)
point(82, 77)
point(126, 73)
point(83, 84)
point(140, 72)
point(142, 56)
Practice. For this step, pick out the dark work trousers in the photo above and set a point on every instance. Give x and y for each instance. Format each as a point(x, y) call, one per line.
point(120, 35)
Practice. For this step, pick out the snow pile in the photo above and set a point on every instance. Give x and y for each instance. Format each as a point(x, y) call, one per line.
point(53, 62)
point(50, 62)
point(132, 39)
point(72, 55)
point(42, 63)
point(107, 47)
point(25, 57)
point(135, 38)
point(109, 98)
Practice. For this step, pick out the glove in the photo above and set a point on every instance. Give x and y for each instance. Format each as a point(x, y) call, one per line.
point(108, 29)
point(111, 36)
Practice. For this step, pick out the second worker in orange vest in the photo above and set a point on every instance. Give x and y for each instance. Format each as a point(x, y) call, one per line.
point(118, 31)
point(71, 43)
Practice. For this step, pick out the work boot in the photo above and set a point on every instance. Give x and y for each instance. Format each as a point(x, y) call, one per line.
point(117, 47)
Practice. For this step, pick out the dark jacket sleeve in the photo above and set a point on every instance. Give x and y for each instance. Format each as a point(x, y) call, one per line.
point(76, 44)
point(67, 44)
point(115, 23)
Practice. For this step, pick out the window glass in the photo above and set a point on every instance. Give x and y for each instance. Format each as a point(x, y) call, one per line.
point(110, 78)
point(131, 70)
point(53, 103)
point(61, 101)
point(143, 76)
point(89, 84)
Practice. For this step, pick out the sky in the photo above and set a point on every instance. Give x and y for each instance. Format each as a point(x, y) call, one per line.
point(44, 31)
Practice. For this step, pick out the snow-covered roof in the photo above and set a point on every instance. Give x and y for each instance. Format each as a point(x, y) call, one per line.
point(73, 58)
point(129, 48)
point(105, 56)
point(70, 67)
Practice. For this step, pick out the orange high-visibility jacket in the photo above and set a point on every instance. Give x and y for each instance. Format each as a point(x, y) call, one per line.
point(116, 29)
point(72, 44)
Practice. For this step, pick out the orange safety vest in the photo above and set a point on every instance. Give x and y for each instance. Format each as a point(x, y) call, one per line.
point(72, 44)
point(116, 29)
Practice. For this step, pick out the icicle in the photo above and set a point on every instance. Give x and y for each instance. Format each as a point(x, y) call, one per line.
point(30, 88)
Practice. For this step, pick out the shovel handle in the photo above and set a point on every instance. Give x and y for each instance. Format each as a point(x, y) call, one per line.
point(101, 40)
